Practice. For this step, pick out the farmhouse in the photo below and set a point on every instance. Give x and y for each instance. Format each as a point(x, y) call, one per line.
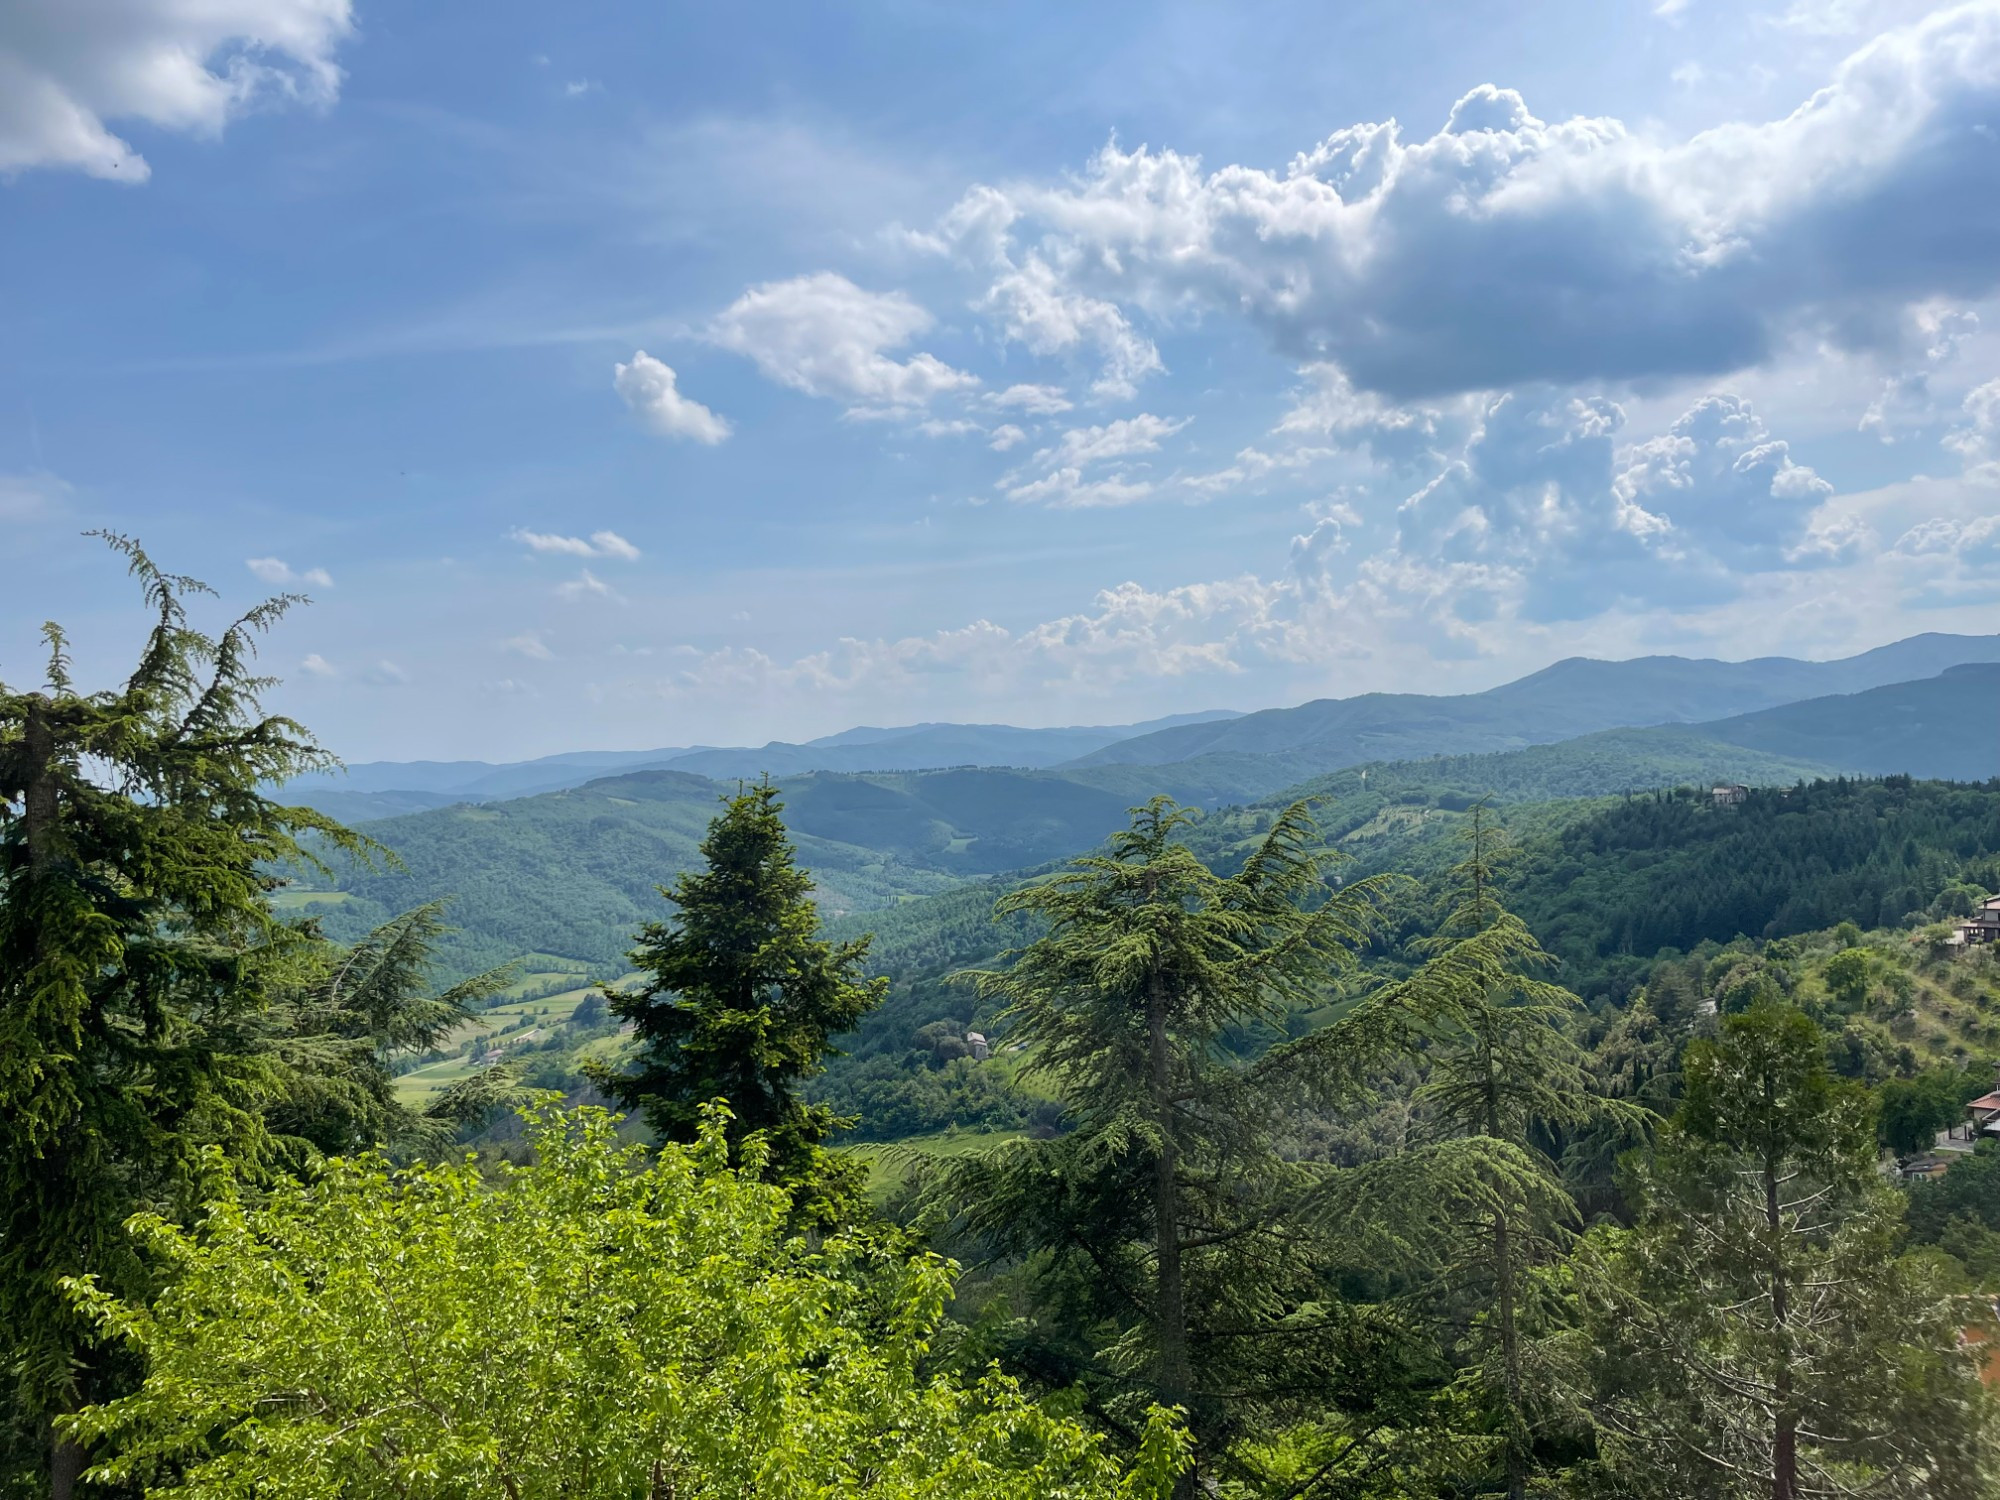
point(1730, 795)
point(1981, 929)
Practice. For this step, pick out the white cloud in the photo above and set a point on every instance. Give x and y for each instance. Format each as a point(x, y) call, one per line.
point(1976, 439)
point(1504, 249)
point(1544, 517)
point(597, 544)
point(69, 69)
point(528, 643)
point(957, 427)
point(1067, 489)
point(651, 389)
point(1035, 400)
point(277, 571)
point(1006, 436)
point(387, 673)
point(824, 335)
point(1253, 465)
point(587, 585)
point(315, 665)
point(1080, 447)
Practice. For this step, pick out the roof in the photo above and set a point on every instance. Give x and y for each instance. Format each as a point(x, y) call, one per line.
point(1986, 1101)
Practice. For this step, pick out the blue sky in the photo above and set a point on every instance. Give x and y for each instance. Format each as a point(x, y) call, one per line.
point(641, 375)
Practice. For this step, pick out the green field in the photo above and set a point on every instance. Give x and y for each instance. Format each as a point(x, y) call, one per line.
point(889, 1163)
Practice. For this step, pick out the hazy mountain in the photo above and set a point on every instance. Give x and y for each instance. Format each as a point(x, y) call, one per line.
point(905, 748)
point(1573, 697)
point(1946, 727)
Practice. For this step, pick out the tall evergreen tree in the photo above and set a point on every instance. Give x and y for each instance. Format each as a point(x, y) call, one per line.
point(1156, 1221)
point(741, 996)
point(136, 954)
point(1758, 1335)
point(1509, 1070)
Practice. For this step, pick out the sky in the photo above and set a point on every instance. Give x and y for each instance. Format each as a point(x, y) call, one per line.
point(640, 375)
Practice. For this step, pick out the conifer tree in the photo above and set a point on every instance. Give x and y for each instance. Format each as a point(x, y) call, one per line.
point(1160, 1211)
point(1509, 1070)
point(1758, 1335)
point(136, 953)
point(742, 996)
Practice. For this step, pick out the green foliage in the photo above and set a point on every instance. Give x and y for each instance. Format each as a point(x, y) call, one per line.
point(1674, 871)
point(336, 1017)
point(1757, 1333)
point(741, 995)
point(137, 956)
point(593, 1326)
point(1911, 1111)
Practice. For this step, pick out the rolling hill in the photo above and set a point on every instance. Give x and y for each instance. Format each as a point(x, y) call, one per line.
point(908, 748)
point(1946, 726)
point(1574, 697)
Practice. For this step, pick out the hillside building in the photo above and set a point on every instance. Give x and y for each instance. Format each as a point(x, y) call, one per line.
point(1981, 929)
point(1730, 795)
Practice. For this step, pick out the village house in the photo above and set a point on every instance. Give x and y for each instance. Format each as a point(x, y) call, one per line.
point(1979, 930)
point(1730, 795)
point(1981, 1123)
point(981, 1048)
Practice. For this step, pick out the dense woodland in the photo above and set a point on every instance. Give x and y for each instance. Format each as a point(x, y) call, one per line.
point(1380, 1141)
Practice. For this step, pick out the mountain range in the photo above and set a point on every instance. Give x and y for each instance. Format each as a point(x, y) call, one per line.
point(1573, 697)
point(572, 872)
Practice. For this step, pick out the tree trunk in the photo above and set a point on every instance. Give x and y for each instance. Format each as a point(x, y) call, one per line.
point(39, 808)
point(1170, 1302)
point(1170, 1310)
point(1503, 1311)
point(1510, 1358)
point(1785, 1423)
point(65, 1469)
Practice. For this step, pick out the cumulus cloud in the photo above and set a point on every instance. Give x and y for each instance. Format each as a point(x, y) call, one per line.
point(386, 673)
point(1545, 516)
point(1906, 398)
point(1976, 439)
point(1006, 436)
point(277, 571)
point(652, 390)
point(597, 544)
point(956, 427)
point(315, 665)
point(824, 335)
point(1504, 249)
point(69, 69)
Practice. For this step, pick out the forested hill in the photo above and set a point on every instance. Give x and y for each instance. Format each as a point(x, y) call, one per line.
point(1605, 884)
point(1946, 726)
point(1674, 870)
point(572, 873)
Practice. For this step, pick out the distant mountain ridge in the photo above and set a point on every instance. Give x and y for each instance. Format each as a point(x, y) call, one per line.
point(1577, 696)
point(910, 747)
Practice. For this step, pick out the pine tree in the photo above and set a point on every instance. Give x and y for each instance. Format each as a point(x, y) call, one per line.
point(742, 997)
point(1158, 1217)
point(1509, 1071)
point(136, 953)
point(335, 1018)
point(1758, 1335)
